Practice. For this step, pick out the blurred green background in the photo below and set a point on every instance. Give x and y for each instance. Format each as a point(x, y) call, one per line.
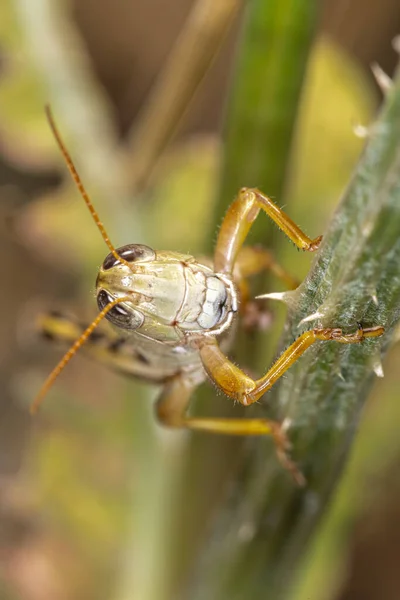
point(90, 490)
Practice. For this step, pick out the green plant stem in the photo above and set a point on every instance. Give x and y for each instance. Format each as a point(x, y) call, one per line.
point(261, 536)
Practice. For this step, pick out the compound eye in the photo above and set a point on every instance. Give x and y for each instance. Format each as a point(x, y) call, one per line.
point(130, 253)
point(119, 315)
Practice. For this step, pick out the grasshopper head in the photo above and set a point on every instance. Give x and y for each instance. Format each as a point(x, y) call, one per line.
point(116, 279)
point(169, 294)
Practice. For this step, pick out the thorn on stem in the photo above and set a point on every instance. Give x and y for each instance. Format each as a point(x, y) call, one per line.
point(396, 44)
point(284, 297)
point(361, 131)
point(312, 317)
point(377, 367)
point(382, 79)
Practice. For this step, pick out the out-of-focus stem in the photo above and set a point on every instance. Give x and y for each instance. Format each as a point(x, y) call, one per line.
point(177, 83)
point(263, 104)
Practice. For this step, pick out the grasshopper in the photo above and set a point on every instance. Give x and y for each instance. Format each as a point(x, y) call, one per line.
point(176, 317)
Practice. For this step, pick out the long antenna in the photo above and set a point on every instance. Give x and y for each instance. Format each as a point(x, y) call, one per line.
point(79, 185)
point(70, 353)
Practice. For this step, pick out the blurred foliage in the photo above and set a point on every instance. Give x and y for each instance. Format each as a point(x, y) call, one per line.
point(23, 128)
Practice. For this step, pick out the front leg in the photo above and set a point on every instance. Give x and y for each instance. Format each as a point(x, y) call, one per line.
point(239, 386)
point(237, 222)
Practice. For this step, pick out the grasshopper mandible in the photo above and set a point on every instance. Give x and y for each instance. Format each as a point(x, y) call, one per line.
point(175, 317)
